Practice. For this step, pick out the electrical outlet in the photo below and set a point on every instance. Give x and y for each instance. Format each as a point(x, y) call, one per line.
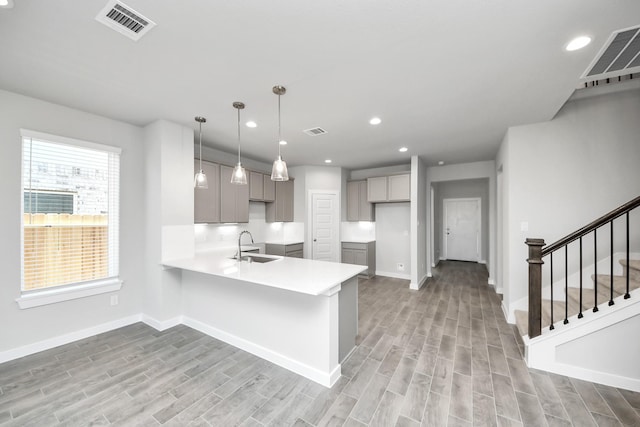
point(114, 299)
point(400, 266)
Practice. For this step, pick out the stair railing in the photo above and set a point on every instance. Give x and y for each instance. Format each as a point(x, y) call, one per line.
point(538, 250)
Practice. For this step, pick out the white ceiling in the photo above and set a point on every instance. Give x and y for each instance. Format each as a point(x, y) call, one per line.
point(447, 77)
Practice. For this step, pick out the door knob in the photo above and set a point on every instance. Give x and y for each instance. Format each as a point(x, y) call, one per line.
point(315, 240)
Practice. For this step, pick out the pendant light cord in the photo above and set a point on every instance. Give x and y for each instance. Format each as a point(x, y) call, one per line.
point(238, 135)
point(279, 127)
point(200, 145)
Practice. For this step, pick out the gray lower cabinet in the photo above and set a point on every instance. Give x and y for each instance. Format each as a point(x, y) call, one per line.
point(234, 199)
point(281, 210)
point(206, 202)
point(360, 254)
point(293, 250)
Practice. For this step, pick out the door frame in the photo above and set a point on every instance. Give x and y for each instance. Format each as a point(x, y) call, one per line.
point(478, 224)
point(308, 253)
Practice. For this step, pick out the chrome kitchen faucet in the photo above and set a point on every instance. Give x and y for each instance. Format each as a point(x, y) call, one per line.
point(239, 254)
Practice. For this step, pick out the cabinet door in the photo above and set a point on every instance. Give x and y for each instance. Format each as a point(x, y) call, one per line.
point(269, 188)
point(399, 188)
point(377, 189)
point(227, 195)
point(206, 203)
point(360, 257)
point(256, 186)
point(234, 199)
point(366, 210)
point(353, 200)
point(287, 202)
point(281, 210)
point(348, 256)
point(242, 203)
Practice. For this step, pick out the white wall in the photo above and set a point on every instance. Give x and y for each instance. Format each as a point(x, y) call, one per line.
point(467, 171)
point(169, 222)
point(560, 175)
point(419, 221)
point(393, 239)
point(25, 327)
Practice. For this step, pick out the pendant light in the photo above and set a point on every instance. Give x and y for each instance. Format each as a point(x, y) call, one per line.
point(279, 171)
point(200, 180)
point(239, 175)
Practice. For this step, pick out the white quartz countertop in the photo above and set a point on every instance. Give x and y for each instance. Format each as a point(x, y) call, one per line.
point(293, 274)
point(284, 242)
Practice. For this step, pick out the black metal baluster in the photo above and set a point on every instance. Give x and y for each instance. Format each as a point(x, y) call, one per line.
point(628, 260)
point(595, 270)
point(566, 284)
point(580, 310)
point(551, 259)
point(611, 266)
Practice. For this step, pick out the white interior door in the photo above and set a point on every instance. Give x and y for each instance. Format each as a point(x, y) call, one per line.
point(325, 228)
point(462, 229)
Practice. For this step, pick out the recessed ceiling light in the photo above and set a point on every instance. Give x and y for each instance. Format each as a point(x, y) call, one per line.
point(402, 149)
point(251, 124)
point(283, 142)
point(375, 121)
point(328, 161)
point(441, 163)
point(578, 43)
point(6, 3)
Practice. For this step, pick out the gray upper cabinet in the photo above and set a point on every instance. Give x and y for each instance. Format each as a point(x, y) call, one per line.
point(393, 188)
point(377, 189)
point(400, 188)
point(207, 202)
point(269, 188)
point(281, 210)
point(234, 199)
point(358, 206)
point(256, 186)
point(261, 188)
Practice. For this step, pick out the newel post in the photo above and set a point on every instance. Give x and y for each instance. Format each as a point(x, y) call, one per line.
point(535, 286)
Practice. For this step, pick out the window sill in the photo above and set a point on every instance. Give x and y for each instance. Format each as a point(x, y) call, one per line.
point(52, 296)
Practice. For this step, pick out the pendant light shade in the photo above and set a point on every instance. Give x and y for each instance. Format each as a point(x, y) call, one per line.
point(200, 180)
point(279, 171)
point(239, 175)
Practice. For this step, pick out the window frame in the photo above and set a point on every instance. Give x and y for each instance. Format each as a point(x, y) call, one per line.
point(70, 291)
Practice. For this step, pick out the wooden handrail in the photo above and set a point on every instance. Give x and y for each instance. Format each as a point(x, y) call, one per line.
point(592, 226)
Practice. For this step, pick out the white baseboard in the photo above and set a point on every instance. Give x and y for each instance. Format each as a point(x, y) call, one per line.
point(161, 325)
point(417, 286)
point(491, 282)
point(327, 379)
point(394, 275)
point(482, 261)
point(50, 343)
point(509, 316)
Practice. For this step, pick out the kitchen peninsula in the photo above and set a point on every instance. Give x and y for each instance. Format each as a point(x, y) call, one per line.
point(300, 314)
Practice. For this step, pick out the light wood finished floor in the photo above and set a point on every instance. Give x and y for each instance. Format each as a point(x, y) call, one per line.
point(439, 356)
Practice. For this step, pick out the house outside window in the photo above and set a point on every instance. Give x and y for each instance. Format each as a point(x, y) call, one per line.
point(70, 221)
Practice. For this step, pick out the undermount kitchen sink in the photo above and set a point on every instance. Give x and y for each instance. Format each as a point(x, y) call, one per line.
point(253, 258)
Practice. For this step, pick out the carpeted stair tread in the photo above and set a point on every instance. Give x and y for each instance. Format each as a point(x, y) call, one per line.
point(634, 269)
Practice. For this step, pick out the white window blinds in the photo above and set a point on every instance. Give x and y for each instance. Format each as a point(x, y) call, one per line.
point(70, 211)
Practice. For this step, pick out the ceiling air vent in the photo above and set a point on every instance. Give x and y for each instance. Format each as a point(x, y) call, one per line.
point(120, 17)
point(619, 56)
point(315, 131)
